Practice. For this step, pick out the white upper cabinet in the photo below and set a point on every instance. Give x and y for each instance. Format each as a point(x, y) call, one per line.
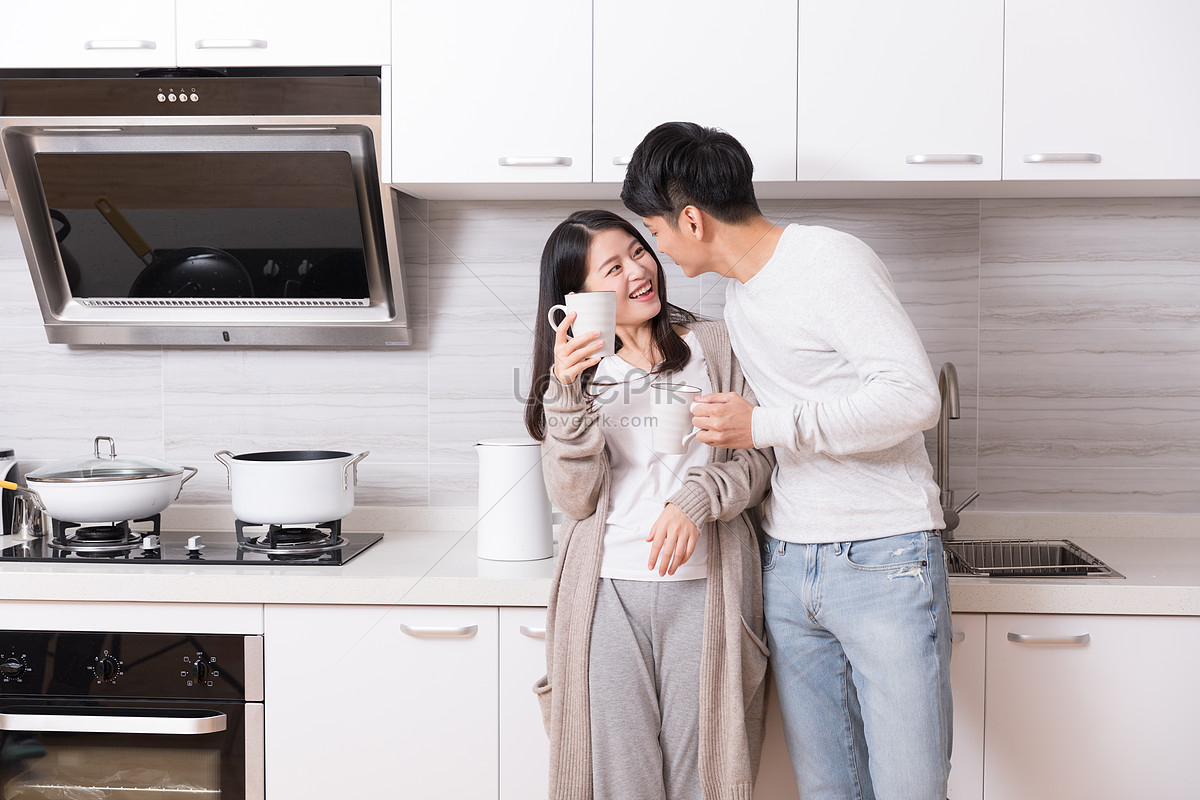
point(492, 92)
point(83, 33)
point(732, 67)
point(1101, 90)
point(215, 33)
point(241, 33)
point(900, 91)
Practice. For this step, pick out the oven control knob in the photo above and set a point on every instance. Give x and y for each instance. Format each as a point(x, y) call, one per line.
point(107, 669)
point(200, 671)
point(12, 668)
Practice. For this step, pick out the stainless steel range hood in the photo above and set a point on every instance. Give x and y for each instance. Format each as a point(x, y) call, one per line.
point(205, 210)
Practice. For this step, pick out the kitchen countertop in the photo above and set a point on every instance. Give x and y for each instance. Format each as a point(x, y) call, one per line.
point(429, 559)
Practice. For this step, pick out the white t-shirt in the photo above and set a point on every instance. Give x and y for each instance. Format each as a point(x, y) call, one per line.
point(643, 480)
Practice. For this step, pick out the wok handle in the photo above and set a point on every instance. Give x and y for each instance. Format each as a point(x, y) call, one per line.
point(352, 463)
point(191, 474)
point(128, 234)
point(228, 469)
point(37, 500)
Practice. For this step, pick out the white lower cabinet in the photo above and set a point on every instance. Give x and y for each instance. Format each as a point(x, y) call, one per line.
point(437, 702)
point(524, 748)
point(1097, 707)
point(967, 670)
point(381, 701)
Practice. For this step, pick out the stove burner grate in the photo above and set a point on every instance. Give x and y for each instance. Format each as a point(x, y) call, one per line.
point(73, 537)
point(283, 540)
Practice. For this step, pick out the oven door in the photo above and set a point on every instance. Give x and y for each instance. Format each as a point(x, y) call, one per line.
point(73, 749)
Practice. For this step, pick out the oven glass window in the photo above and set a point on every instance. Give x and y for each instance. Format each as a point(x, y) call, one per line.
point(49, 768)
point(207, 224)
point(124, 766)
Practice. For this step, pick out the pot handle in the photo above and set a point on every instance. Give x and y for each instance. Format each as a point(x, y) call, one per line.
point(37, 500)
point(228, 470)
point(191, 474)
point(352, 463)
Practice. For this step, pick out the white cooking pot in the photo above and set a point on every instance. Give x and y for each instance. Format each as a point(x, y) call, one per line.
point(104, 488)
point(291, 487)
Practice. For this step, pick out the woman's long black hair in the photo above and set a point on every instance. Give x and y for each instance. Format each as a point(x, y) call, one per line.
point(563, 270)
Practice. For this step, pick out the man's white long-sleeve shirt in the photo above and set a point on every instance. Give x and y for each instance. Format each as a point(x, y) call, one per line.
point(844, 387)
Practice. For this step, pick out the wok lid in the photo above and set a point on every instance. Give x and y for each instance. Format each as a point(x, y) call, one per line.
point(103, 467)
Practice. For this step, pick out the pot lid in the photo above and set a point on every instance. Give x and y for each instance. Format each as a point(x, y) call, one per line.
point(104, 467)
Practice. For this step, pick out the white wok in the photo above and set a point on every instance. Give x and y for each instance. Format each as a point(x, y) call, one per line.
point(105, 488)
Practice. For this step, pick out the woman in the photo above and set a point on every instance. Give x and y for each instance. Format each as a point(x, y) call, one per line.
point(654, 653)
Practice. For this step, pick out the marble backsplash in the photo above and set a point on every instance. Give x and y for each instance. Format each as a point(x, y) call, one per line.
point(1073, 325)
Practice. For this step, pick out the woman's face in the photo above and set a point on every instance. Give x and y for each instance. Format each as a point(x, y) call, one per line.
point(617, 262)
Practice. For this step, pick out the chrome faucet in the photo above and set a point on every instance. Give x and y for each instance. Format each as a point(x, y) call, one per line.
point(948, 389)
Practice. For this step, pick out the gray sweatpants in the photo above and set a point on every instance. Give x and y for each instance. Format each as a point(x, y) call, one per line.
point(644, 682)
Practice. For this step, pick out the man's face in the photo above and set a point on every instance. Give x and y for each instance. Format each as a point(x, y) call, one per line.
point(675, 243)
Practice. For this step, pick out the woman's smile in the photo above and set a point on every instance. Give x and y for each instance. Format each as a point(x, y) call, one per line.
point(617, 262)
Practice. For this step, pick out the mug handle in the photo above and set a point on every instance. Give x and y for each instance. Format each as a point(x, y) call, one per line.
point(695, 431)
point(550, 315)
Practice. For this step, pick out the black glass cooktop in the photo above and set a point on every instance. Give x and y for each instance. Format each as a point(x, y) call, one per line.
point(181, 547)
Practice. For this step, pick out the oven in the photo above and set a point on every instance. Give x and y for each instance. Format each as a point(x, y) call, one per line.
point(235, 207)
point(118, 716)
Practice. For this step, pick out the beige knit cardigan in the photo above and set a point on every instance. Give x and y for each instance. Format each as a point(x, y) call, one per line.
point(734, 657)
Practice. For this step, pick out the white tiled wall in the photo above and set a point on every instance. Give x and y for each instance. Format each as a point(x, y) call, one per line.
point(1073, 324)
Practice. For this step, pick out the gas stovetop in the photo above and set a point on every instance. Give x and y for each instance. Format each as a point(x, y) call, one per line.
point(320, 545)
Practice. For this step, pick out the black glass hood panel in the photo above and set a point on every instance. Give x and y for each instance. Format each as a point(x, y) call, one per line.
point(213, 227)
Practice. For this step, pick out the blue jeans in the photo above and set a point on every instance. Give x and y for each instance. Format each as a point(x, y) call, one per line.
point(860, 647)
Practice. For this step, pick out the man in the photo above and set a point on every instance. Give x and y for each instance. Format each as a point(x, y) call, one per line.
point(854, 580)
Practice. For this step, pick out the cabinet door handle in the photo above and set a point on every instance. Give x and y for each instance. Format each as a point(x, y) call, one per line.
point(536, 161)
point(119, 44)
point(231, 44)
point(957, 636)
point(622, 161)
point(1032, 638)
point(464, 632)
point(943, 158)
point(1062, 158)
point(533, 633)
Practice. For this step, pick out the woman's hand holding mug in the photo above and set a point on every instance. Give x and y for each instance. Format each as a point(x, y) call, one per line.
point(573, 355)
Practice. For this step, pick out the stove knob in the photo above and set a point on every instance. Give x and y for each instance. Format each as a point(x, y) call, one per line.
point(150, 542)
point(194, 545)
point(200, 670)
point(107, 669)
point(12, 668)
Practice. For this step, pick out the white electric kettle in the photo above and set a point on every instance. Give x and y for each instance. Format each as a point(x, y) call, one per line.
point(514, 521)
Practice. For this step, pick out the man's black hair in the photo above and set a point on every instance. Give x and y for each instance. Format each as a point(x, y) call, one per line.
point(680, 164)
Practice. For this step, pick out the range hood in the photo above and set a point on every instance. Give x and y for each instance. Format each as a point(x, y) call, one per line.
point(229, 208)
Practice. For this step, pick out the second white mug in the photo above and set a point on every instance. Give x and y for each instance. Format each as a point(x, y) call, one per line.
point(671, 408)
point(594, 311)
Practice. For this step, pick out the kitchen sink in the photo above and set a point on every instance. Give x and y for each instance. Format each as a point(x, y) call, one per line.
point(1024, 558)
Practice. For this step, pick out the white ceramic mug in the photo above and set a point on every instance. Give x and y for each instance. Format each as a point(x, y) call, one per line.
point(671, 408)
point(594, 311)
